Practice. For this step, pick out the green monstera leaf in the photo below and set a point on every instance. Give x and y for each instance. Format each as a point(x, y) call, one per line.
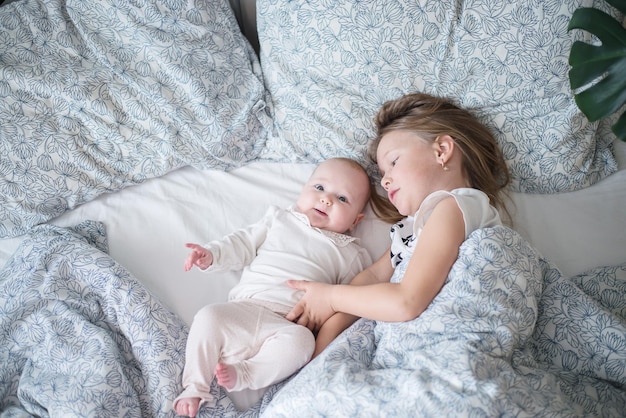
point(598, 73)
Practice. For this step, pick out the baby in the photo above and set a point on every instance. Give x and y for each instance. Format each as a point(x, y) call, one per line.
point(247, 343)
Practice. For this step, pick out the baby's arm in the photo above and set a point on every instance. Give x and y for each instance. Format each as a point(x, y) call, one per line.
point(331, 329)
point(199, 256)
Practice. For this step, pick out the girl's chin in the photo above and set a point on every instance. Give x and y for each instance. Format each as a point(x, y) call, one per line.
point(405, 212)
point(399, 208)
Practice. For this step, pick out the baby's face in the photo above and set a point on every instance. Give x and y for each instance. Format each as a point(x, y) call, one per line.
point(334, 196)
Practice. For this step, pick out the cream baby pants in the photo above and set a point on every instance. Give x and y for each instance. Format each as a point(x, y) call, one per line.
point(251, 335)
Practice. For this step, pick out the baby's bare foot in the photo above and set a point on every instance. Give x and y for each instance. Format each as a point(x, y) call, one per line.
point(187, 407)
point(226, 375)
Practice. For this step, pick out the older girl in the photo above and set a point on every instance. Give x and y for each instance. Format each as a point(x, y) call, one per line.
point(444, 174)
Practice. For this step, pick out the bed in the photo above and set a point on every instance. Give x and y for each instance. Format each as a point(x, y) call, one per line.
point(129, 127)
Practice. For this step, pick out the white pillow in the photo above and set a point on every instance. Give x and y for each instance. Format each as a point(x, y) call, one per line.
point(329, 66)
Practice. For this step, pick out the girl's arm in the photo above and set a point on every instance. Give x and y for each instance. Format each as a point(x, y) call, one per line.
point(312, 310)
point(436, 250)
point(331, 329)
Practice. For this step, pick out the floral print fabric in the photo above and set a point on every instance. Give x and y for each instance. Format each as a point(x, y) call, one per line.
point(508, 335)
point(329, 65)
point(96, 96)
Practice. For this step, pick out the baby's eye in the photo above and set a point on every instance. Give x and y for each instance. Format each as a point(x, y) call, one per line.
point(342, 199)
point(319, 187)
point(393, 163)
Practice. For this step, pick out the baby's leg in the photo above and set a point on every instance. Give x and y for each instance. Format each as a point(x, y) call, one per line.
point(208, 334)
point(285, 348)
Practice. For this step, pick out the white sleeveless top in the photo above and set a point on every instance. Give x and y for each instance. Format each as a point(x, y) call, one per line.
point(474, 204)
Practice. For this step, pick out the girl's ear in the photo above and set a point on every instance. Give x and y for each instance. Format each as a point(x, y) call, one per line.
point(444, 147)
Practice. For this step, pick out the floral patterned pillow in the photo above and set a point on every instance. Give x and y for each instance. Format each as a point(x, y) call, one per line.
point(329, 65)
point(96, 96)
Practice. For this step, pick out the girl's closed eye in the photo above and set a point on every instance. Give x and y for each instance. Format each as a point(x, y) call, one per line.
point(391, 164)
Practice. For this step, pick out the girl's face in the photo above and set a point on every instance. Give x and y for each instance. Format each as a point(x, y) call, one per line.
point(410, 169)
point(334, 196)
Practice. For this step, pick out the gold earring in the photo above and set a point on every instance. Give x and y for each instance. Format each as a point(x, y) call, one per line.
point(444, 166)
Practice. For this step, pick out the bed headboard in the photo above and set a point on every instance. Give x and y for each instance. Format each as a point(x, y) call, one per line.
point(245, 12)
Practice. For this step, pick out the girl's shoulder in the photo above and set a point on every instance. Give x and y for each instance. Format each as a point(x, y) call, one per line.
point(473, 203)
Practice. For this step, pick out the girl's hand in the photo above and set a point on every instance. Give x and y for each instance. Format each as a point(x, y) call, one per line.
point(314, 308)
point(199, 256)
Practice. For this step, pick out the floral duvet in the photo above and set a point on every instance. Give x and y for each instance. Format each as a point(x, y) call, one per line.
point(508, 335)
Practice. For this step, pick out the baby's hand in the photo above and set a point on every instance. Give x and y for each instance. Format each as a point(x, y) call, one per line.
point(199, 256)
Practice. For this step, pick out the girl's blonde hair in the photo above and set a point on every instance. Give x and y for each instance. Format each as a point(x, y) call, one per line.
point(430, 116)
